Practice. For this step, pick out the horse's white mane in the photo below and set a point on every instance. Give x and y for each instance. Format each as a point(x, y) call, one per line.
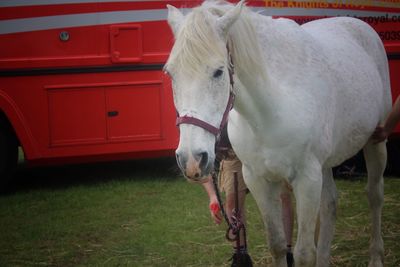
point(197, 40)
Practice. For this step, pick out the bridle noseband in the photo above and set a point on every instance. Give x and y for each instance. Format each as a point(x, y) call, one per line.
point(216, 131)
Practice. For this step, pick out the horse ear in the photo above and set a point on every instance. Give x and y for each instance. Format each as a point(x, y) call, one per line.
point(175, 18)
point(227, 20)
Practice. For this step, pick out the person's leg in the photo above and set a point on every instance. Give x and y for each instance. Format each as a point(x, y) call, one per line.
point(229, 167)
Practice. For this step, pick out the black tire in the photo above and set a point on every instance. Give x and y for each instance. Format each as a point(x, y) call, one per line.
point(8, 157)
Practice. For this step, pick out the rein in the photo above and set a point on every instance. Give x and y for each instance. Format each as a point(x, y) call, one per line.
point(236, 225)
point(216, 131)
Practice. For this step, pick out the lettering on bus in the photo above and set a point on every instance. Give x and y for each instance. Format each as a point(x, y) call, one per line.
point(389, 35)
point(353, 7)
point(333, 4)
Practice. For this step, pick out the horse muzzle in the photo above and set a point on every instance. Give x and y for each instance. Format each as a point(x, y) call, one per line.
point(195, 166)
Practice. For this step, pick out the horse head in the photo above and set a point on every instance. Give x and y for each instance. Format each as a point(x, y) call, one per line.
point(199, 69)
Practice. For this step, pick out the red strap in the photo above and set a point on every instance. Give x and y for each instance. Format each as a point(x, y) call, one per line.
point(194, 121)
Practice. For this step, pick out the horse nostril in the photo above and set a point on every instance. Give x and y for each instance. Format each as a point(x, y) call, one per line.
point(194, 165)
point(203, 160)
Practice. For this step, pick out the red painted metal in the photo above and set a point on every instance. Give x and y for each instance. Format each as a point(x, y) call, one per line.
point(83, 81)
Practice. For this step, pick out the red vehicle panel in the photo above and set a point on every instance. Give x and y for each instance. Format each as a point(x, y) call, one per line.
point(83, 80)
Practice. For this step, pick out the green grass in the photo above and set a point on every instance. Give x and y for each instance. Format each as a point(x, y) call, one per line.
point(143, 213)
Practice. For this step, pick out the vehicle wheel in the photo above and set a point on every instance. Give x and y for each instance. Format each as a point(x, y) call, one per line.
point(8, 157)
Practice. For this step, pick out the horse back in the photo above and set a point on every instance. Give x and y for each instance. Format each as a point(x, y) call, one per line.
point(364, 39)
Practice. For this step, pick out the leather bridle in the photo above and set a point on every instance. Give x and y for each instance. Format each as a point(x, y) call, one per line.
point(216, 131)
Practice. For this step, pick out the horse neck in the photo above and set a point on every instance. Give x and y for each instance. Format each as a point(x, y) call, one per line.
point(256, 100)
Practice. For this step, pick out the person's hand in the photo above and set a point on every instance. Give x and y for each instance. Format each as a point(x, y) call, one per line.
point(215, 211)
point(380, 134)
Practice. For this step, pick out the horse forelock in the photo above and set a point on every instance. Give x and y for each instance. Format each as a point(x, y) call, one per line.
point(198, 43)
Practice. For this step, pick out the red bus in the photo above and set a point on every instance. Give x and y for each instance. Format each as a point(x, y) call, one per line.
point(82, 80)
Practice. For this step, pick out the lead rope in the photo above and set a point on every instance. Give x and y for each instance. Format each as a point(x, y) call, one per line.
point(236, 225)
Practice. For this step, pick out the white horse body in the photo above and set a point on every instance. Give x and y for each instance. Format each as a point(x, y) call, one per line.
point(330, 114)
point(307, 98)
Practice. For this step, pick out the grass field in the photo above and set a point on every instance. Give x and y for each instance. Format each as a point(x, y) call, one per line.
point(142, 213)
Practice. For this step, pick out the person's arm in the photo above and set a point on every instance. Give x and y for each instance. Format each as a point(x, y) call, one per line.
point(382, 132)
point(214, 206)
point(393, 117)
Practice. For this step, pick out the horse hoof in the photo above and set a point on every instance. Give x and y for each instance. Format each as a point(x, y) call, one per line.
point(290, 259)
point(241, 260)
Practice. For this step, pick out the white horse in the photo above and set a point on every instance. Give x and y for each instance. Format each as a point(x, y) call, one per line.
point(307, 98)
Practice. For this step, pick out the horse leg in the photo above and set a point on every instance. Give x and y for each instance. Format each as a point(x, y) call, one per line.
point(375, 159)
point(327, 218)
point(307, 188)
point(267, 197)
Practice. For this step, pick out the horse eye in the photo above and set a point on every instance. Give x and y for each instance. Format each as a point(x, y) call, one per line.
point(218, 73)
